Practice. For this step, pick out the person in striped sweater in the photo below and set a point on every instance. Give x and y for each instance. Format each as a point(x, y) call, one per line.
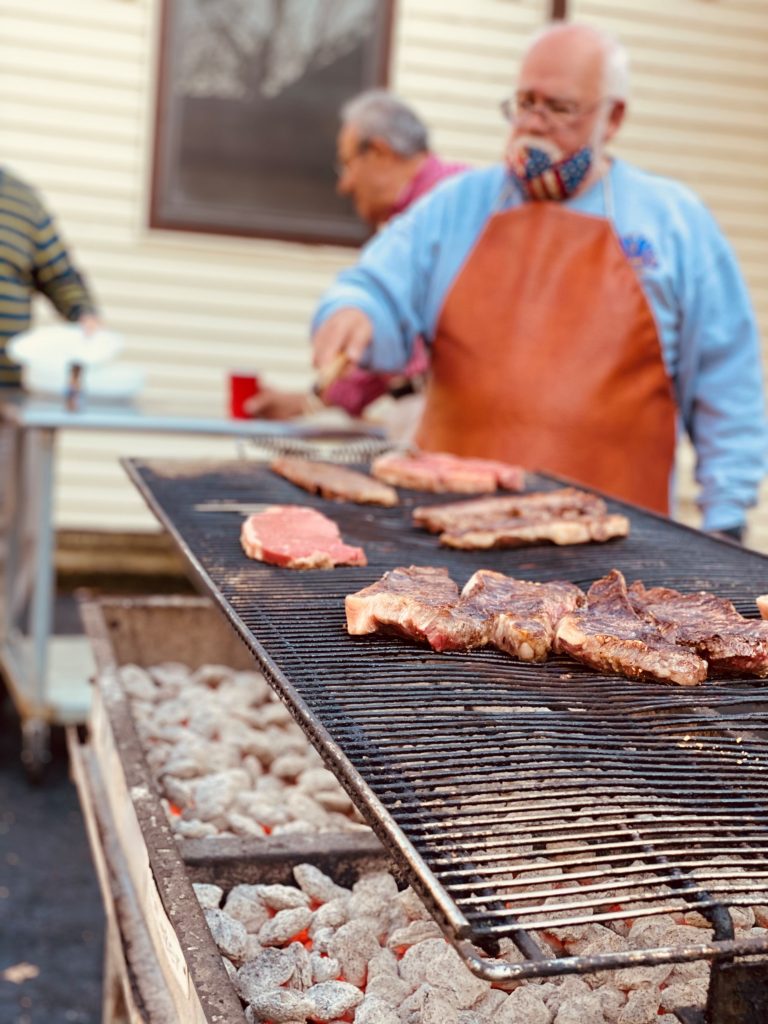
point(33, 258)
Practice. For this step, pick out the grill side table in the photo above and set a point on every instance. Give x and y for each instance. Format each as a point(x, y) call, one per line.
point(48, 675)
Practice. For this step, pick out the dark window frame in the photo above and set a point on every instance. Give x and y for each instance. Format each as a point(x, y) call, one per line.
point(167, 212)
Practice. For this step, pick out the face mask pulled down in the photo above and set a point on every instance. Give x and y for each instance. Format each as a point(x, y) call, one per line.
point(541, 170)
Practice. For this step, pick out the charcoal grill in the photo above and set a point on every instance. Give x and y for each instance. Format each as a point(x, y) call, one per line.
point(516, 798)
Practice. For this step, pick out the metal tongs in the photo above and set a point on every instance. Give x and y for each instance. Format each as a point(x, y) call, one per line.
point(330, 374)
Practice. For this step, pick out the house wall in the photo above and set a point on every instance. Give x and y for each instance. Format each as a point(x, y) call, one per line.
point(76, 116)
point(698, 113)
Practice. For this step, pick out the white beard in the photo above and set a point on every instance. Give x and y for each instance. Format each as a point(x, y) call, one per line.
point(520, 142)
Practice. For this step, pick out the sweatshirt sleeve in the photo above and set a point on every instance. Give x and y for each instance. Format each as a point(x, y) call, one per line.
point(724, 410)
point(54, 274)
point(397, 283)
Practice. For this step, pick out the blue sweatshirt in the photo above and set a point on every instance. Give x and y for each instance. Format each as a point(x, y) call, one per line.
point(687, 269)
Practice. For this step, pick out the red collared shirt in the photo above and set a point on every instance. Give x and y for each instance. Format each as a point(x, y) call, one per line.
point(431, 173)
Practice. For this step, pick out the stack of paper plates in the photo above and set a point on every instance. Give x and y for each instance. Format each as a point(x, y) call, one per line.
point(113, 382)
point(62, 344)
point(47, 354)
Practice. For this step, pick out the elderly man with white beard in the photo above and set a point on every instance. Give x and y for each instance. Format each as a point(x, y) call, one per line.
point(579, 311)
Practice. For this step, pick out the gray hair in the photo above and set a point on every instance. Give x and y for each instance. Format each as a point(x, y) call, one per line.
point(615, 56)
point(377, 113)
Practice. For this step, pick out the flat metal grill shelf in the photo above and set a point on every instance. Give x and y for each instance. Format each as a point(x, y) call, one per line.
point(516, 798)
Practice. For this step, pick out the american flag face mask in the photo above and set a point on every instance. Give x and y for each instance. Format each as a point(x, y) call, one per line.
point(540, 176)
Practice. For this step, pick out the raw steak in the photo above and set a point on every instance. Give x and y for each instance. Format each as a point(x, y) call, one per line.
point(609, 635)
point(403, 601)
point(461, 515)
point(516, 616)
point(441, 472)
point(332, 481)
point(297, 537)
point(710, 625)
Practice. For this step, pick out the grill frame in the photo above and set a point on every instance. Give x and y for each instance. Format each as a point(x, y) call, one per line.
point(654, 552)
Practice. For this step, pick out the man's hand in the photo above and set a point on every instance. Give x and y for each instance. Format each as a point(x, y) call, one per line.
point(348, 333)
point(90, 323)
point(270, 404)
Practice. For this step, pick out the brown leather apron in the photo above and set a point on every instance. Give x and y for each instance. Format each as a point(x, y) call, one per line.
point(546, 354)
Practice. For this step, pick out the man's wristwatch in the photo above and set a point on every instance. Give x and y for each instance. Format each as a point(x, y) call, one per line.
point(400, 387)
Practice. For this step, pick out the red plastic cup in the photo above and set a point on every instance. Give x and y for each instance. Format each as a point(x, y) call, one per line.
point(242, 386)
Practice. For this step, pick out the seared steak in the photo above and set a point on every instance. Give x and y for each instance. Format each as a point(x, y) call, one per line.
point(403, 601)
point(609, 635)
point(710, 625)
point(423, 603)
point(565, 516)
point(461, 515)
point(516, 616)
point(441, 472)
point(297, 537)
point(519, 531)
point(332, 481)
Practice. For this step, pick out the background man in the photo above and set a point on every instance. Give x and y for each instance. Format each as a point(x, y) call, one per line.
point(575, 306)
point(384, 164)
point(384, 160)
point(33, 258)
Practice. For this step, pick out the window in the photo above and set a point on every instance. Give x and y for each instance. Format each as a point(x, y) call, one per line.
point(249, 93)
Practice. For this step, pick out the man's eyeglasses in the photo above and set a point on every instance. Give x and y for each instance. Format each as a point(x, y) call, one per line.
point(342, 166)
point(556, 112)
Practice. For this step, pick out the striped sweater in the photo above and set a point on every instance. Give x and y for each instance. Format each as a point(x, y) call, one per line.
point(32, 258)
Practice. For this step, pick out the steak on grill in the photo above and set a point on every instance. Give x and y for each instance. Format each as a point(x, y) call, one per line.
point(461, 515)
point(296, 537)
point(519, 531)
point(565, 516)
point(609, 635)
point(403, 601)
point(516, 616)
point(423, 603)
point(332, 481)
point(710, 625)
point(441, 472)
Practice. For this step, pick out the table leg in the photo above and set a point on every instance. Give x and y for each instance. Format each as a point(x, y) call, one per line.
point(40, 452)
point(13, 582)
point(35, 747)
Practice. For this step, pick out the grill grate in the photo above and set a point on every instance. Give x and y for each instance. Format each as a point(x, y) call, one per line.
point(328, 446)
point(517, 798)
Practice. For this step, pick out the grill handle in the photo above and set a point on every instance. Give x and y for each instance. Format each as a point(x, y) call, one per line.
point(502, 971)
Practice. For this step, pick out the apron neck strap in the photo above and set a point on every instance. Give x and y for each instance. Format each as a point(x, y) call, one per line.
point(608, 205)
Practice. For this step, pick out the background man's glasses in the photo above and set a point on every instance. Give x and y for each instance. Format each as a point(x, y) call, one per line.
point(342, 166)
point(556, 112)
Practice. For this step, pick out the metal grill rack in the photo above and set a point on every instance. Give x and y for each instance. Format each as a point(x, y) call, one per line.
point(517, 798)
point(346, 446)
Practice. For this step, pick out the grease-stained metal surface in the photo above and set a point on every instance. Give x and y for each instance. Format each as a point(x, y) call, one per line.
point(516, 797)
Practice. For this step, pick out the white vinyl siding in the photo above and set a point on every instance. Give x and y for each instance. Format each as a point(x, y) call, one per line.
point(76, 118)
point(699, 112)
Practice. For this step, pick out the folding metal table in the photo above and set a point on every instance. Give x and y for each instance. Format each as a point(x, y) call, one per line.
point(48, 676)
